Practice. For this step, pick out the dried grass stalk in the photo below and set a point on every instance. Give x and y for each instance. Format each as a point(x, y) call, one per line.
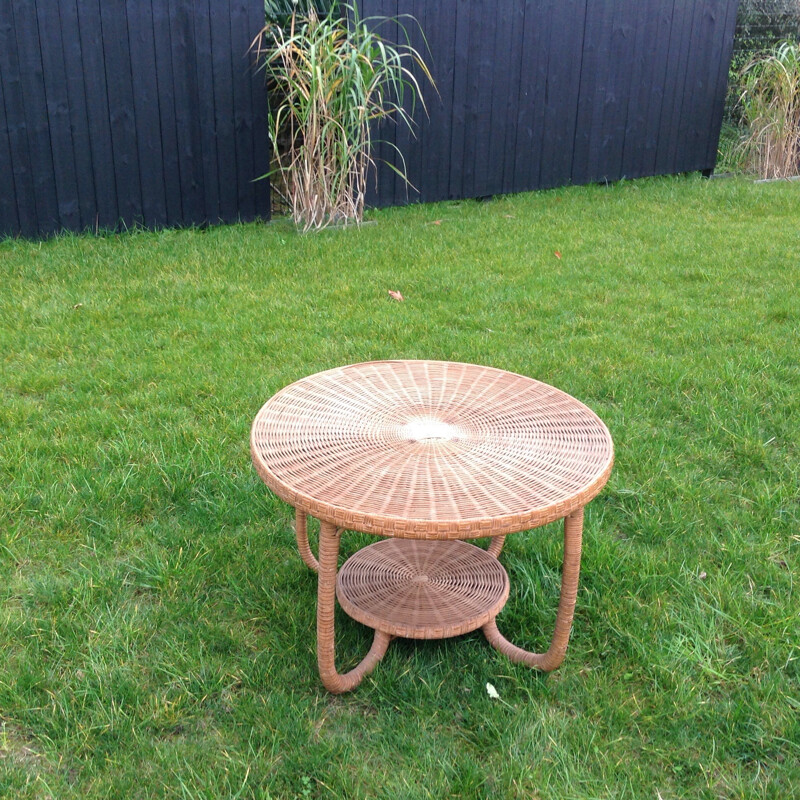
point(331, 77)
point(770, 101)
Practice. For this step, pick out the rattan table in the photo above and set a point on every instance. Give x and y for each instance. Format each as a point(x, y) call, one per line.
point(428, 454)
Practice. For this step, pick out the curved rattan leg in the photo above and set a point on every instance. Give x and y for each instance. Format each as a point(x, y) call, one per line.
point(301, 530)
point(573, 533)
point(329, 537)
point(495, 546)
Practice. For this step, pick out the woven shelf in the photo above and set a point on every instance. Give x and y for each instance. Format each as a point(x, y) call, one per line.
point(422, 589)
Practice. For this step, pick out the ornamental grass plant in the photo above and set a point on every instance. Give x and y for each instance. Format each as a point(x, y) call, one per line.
point(331, 76)
point(770, 100)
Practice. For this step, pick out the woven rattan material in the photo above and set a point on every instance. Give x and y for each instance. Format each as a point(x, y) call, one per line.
point(426, 449)
point(422, 589)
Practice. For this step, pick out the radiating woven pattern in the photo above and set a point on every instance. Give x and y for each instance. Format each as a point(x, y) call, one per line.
point(422, 589)
point(429, 449)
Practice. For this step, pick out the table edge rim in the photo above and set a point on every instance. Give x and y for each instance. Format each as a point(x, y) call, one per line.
point(425, 528)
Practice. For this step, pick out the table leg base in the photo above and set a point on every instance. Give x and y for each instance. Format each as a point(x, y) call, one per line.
point(573, 534)
point(334, 681)
point(544, 661)
point(337, 683)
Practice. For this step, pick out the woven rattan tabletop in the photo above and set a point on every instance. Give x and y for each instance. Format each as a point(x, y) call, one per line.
point(430, 449)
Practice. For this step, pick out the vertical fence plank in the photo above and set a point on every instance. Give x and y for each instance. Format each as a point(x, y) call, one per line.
point(475, 99)
point(489, 60)
point(561, 103)
point(536, 56)
point(583, 114)
point(693, 128)
point(415, 25)
point(675, 78)
point(525, 98)
point(243, 109)
point(9, 217)
point(205, 110)
point(590, 76)
point(548, 38)
point(675, 162)
point(184, 82)
point(726, 16)
point(498, 87)
point(260, 119)
point(615, 105)
point(94, 79)
point(147, 113)
point(114, 22)
point(396, 135)
point(223, 105)
point(516, 30)
point(54, 82)
point(659, 59)
point(458, 128)
point(415, 137)
point(78, 113)
point(34, 102)
point(440, 32)
point(19, 152)
point(380, 182)
point(167, 112)
point(638, 96)
point(398, 27)
point(603, 96)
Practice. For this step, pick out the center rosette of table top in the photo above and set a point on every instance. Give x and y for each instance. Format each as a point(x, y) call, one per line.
point(422, 589)
point(428, 429)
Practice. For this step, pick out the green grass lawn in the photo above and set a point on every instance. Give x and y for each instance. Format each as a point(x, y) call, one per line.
point(157, 626)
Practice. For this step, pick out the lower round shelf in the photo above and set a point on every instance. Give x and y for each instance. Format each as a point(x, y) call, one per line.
point(422, 589)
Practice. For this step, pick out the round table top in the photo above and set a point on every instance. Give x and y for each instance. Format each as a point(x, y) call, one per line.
point(430, 449)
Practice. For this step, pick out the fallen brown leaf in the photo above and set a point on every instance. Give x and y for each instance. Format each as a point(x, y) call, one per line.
point(557, 254)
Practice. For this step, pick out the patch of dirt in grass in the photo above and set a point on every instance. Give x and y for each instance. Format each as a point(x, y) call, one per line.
point(340, 717)
point(17, 749)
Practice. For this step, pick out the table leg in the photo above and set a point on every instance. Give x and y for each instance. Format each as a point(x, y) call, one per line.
point(495, 546)
point(329, 538)
point(301, 531)
point(573, 532)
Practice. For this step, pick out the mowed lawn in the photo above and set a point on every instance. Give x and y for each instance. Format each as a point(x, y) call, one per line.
point(157, 627)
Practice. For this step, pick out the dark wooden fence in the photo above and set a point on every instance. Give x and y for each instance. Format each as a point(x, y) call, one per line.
point(123, 112)
point(543, 93)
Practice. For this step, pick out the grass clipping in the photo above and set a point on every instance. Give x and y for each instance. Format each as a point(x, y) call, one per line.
point(331, 77)
point(770, 101)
